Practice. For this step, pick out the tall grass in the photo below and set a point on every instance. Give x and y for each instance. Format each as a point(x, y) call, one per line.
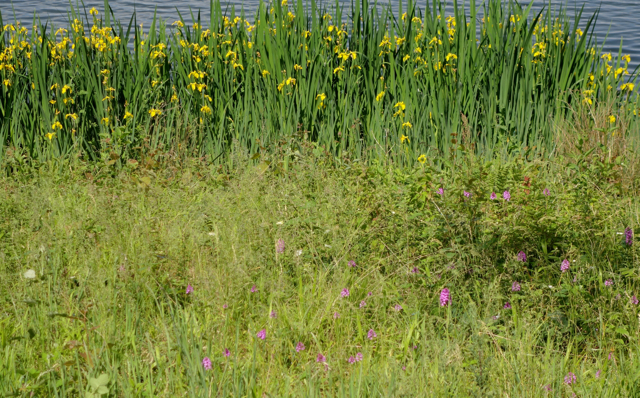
point(372, 84)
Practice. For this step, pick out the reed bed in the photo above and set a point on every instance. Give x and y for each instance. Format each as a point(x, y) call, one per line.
point(371, 84)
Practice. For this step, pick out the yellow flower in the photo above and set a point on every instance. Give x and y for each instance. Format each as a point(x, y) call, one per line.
point(579, 32)
point(127, 115)
point(6, 82)
point(205, 109)
point(179, 23)
point(626, 58)
point(338, 69)
point(155, 112)
point(606, 56)
point(403, 138)
point(174, 97)
point(587, 101)
point(612, 119)
point(105, 120)
point(297, 67)
point(627, 86)
point(54, 86)
point(407, 125)
point(93, 11)
point(379, 96)
point(265, 73)
point(72, 116)
point(422, 159)
point(406, 58)
point(154, 83)
point(52, 102)
point(65, 89)
point(451, 56)
point(321, 97)
point(284, 2)
point(50, 136)
point(56, 125)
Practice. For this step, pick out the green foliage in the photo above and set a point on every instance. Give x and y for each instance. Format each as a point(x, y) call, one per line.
point(105, 311)
point(105, 90)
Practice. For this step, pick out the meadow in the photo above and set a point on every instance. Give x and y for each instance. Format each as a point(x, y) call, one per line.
point(307, 235)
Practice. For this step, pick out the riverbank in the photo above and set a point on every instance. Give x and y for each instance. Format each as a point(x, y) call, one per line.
point(483, 278)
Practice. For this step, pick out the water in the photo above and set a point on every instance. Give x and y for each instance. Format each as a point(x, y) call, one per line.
point(617, 18)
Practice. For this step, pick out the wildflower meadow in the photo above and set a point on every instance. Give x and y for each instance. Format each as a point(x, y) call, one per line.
point(310, 204)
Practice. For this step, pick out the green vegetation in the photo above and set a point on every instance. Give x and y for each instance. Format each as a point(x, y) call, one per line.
point(96, 267)
point(296, 207)
point(103, 90)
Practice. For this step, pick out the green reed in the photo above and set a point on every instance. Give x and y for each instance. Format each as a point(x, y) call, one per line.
point(372, 84)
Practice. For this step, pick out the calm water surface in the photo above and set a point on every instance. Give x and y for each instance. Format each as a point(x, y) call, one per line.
point(618, 18)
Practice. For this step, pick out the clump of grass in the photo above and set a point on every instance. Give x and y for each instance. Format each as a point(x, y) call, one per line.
point(126, 282)
point(373, 85)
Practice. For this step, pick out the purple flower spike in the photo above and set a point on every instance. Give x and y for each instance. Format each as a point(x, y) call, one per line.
point(440, 191)
point(507, 306)
point(445, 297)
point(189, 289)
point(611, 357)
point(493, 196)
point(225, 306)
point(344, 292)
point(564, 267)
point(570, 378)
point(351, 360)
point(363, 304)
point(370, 294)
point(608, 282)
point(336, 315)
point(262, 334)
point(300, 347)
point(321, 358)
point(598, 374)
point(280, 246)
point(515, 287)
point(206, 363)
point(359, 357)
point(254, 289)
point(628, 236)
point(506, 195)
point(371, 335)
point(227, 353)
point(352, 264)
point(634, 300)
point(415, 270)
point(546, 192)
point(398, 307)
point(522, 256)
point(467, 194)
point(273, 314)
point(547, 387)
